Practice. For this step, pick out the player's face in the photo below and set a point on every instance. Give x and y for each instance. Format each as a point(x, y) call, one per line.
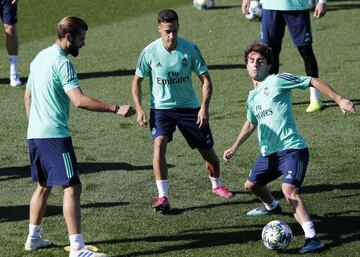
point(77, 42)
point(257, 66)
point(169, 33)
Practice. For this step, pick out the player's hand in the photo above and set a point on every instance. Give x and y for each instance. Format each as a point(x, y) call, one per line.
point(245, 7)
point(320, 10)
point(229, 153)
point(126, 111)
point(346, 106)
point(141, 119)
point(203, 117)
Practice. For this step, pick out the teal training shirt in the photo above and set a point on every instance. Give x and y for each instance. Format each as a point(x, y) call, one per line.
point(52, 75)
point(285, 5)
point(269, 106)
point(170, 73)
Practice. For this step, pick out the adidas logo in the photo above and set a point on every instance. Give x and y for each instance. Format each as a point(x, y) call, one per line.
point(158, 65)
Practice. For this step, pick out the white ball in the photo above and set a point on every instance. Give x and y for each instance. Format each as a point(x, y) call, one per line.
point(255, 11)
point(203, 4)
point(276, 235)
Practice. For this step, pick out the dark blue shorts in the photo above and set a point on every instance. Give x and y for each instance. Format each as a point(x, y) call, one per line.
point(273, 27)
point(8, 12)
point(163, 123)
point(53, 161)
point(291, 164)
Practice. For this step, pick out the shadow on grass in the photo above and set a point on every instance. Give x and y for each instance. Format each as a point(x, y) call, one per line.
point(21, 212)
point(131, 72)
point(9, 173)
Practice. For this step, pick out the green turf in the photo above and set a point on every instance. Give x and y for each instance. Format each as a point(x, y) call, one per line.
point(114, 154)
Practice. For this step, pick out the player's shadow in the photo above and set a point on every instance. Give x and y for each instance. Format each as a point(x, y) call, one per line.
point(21, 212)
point(9, 173)
point(344, 5)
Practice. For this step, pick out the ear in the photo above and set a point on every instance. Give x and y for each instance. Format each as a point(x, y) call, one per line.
point(69, 37)
point(158, 28)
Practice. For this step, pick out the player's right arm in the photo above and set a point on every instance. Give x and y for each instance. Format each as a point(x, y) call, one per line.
point(245, 132)
point(136, 96)
point(245, 7)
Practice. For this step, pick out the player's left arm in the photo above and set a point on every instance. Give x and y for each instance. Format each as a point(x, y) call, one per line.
point(345, 104)
point(27, 101)
point(203, 115)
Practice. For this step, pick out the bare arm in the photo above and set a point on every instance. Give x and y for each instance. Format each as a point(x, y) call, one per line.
point(344, 104)
point(245, 132)
point(89, 103)
point(137, 98)
point(27, 100)
point(245, 7)
point(320, 9)
point(203, 115)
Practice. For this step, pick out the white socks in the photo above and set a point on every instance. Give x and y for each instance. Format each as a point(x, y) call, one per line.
point(314, 93)
point(76, 241)
point(271, 206)
point(215, 182)
point(162, 187)
point(13, 60)
point(309, 229)
point(34, 231)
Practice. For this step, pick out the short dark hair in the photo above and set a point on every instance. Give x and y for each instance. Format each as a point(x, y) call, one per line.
point(257, 47)
point(167, 15)
point(72, 25)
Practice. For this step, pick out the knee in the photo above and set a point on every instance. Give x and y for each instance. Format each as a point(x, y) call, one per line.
point(10, 30)
point(290, 192)
point(249, 186)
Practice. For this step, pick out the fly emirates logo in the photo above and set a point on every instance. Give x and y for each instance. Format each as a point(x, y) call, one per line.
point(173, 78)
point(262, 113)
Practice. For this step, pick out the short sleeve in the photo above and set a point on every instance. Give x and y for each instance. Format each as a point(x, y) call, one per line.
point(199, 64)
point(143, 66)
point(68, 76)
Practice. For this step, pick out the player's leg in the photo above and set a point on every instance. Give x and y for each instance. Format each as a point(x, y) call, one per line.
point(162, 127)
point(293, 165)
point(212, 166)
point(272, 33)
point(39, 198)
point(302, 38)
point(12, 40)
point(37, 210)
point(201, 139)
point(263, 172)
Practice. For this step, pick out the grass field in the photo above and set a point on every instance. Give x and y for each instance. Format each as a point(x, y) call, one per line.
point(115, 154)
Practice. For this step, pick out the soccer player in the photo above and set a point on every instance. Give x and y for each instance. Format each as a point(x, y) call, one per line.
point(296, 16)
point(283, 150)
point(52, 84)
point(8, 16)
point(169, 62)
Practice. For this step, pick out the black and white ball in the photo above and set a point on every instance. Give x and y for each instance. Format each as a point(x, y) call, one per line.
point(255, 11)
point(203, 4)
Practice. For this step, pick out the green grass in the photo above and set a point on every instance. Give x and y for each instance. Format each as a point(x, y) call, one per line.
point(114, 154)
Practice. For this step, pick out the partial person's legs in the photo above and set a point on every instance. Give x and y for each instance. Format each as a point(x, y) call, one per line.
point(12, 46)
point(37, 210)
point(72, 215)
point(311, 68)
point(263, 193)
point(212, 166)
point(161, 172)
point(302, 216)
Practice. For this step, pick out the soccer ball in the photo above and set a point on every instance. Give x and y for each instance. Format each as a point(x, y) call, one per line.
point(203, 4)
point(276, 235)
point(255, 11)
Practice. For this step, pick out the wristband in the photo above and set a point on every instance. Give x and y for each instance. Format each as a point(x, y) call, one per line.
point(322, 1)
point(117, 107)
